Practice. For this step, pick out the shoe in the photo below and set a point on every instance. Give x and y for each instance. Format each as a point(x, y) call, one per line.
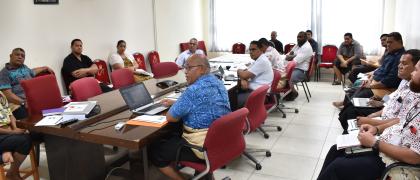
point(336, 83)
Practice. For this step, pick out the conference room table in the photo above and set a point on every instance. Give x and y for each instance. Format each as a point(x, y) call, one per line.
point(76, 151)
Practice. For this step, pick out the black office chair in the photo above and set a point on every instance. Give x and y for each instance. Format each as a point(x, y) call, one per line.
point(398, 165)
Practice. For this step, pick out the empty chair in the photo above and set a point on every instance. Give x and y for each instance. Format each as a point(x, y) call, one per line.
point(288, 47)
point(84, 88)
point(165, 69)
point(121, 78)
point(219, 150)
point(38, 97)
point(140, 60)
point(238, 48)
point(329, 54)
point(102, 75)
point(154, 59)
point(256, 117)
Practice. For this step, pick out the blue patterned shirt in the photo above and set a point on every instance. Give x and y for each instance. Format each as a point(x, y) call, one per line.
point(201, 103)
point(387, 73)
point(10, 77)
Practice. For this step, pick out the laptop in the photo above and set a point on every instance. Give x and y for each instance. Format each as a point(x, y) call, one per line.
point(139, 100)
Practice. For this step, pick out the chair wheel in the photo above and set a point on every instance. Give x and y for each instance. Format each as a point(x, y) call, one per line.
point(279, 128)
point(258, 166)
point(296, 110)
point(266, 136)
point(267, 154)
point(284, 116)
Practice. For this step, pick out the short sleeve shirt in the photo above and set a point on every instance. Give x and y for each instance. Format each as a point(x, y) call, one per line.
point(400, 102)
point(115, 58)
point(70, 64)
point(182, 58)
point(10, 78)
point(201, 103)
point(263, 72)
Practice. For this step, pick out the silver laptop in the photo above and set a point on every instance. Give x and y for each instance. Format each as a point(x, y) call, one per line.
point(139, 100)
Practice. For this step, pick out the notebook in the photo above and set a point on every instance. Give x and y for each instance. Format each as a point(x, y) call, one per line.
point(138, 99)
point(361, 102)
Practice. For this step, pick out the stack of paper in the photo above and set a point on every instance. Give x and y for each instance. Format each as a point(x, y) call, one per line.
point(79, 108)
point(347, 140)
point(54, 111)
point(147, 120)
point(49, 120)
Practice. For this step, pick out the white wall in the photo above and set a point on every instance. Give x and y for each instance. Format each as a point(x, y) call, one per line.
point(45, 31)
point(177, 21)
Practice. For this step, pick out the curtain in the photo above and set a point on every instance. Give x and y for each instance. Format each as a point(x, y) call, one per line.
point(242, 21)
point(245, 20)
point(406, 22)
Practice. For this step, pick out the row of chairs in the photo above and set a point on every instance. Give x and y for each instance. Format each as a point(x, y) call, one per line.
point(158, 68)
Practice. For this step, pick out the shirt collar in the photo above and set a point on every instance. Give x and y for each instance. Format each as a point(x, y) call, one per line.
point(9, 66)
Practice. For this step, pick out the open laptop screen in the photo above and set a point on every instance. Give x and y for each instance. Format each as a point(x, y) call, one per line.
point(136, 96)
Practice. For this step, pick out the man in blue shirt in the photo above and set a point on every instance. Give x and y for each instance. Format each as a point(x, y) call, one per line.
point(13, 72)
point(204, 101)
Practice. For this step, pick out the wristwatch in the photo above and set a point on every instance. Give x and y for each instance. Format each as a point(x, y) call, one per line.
point(376, 145)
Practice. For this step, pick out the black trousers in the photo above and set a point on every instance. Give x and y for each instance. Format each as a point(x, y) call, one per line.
point(351, 112)
point(164, 151)
point(358, 93)
point(20, 143)
point(359, 69)
point(20, 113)
point(339, 167)
point(242, 97)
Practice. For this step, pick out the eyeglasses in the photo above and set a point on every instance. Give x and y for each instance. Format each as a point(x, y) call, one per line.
point(188, 68)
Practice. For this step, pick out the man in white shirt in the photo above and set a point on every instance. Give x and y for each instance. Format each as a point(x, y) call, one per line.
point(259, 73)
point(301, 54)
point(192, 49)
point(277, 62)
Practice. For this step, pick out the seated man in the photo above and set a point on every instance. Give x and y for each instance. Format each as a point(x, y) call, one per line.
point(11, 74)
point(312, 41)
point(398, 99)
point(301, 54)
point(76, 66)
point(15, 144)
point(192, 49)
point(277, 44)
point(385, 79)
point(258, 73)
point(273, 56)
point(348, 54)
point(204, 101)
point(122, 59)
point(368, 65)
point(399, 141)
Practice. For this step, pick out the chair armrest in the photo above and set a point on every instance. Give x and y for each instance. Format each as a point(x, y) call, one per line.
point(187, 145)
point(396, 165)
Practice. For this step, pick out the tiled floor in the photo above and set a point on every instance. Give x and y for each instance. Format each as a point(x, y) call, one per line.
point(298, 151)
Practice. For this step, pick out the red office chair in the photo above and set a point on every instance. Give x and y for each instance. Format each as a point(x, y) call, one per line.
point(121, 78)
point(200, 45)
point(84, 88)
point(277, 95)
point(41, 93)
point(165, 69)
point(140, 60)
point(219, 150)
point(308, 74)
point(154, 59)
point(329, 54)
point(102, 74)
point(288, 47)
point(256, 117)
point(238, 48)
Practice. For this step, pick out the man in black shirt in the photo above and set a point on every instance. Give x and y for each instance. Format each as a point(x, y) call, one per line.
point(313, 43)
point(277, 44)
point(76, 66)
